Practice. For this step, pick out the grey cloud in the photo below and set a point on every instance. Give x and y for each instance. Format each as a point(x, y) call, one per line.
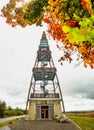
point(86, 91)
point(80, 89)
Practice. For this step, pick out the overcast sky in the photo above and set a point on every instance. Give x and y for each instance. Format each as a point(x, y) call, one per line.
point(18, 50)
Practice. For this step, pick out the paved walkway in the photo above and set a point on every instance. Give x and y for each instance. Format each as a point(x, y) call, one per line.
point(11, 118)
point(43, 125)
point(5, 128)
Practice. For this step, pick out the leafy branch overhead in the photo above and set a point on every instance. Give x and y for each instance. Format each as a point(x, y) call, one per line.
point(69, 21)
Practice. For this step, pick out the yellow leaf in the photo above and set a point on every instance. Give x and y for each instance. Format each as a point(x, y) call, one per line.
point(66, 29)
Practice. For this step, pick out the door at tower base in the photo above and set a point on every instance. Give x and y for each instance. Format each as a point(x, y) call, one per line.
point(44, 110)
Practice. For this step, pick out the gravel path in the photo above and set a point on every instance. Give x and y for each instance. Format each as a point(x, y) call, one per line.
point(43, 125)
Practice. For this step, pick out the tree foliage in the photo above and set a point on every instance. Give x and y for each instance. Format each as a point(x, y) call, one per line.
point(69, 21)
point(7, 111)
point(2, 108)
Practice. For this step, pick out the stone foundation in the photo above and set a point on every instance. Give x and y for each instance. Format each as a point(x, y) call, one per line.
point(34, 103)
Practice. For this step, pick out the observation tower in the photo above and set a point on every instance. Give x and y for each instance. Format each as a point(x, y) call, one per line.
point(45, 100)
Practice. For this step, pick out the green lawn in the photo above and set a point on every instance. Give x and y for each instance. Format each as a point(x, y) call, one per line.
point(84, 123)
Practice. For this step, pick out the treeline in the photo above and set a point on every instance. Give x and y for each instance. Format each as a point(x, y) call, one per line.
point(82, 114)
point(7, 111)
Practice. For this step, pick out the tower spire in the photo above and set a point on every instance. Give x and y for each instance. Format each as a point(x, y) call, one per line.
point(43, 36)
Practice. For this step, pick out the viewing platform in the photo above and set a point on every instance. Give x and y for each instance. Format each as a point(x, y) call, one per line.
point(42, 95)
point(41, 73)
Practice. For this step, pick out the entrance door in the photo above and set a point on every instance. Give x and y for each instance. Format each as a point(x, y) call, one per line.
point(44, 112)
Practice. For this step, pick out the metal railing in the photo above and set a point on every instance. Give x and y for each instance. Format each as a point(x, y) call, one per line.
point(42, 95)
point(44, 69)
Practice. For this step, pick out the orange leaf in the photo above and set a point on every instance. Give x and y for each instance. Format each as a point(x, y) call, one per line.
point(87, 4)
point(71, 46)
point(85, 65)
point(45, 20)
point(89, 7)
point(91, 65)
point(83, 3)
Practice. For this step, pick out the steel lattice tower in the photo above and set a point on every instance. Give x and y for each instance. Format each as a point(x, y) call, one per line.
point(44, 91)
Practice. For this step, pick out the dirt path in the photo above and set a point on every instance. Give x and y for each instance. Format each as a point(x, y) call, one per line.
point(43, 125)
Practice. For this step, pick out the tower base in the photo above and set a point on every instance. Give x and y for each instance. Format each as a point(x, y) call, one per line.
point(44, 109)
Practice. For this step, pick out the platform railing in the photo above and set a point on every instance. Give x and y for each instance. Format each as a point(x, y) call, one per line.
point(42, 95)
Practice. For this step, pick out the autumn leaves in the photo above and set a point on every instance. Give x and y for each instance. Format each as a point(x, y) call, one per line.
point(70, 22)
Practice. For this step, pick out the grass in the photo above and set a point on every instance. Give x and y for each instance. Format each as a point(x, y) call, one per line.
point(2, 124)
point(85, 123)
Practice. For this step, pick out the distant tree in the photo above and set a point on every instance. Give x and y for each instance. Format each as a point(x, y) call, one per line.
point(19, 111)
point(25, 111)
point(9, 108)
point(2, 108)
point(9, 111)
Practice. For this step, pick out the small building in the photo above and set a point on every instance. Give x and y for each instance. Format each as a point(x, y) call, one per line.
point(45, 99)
